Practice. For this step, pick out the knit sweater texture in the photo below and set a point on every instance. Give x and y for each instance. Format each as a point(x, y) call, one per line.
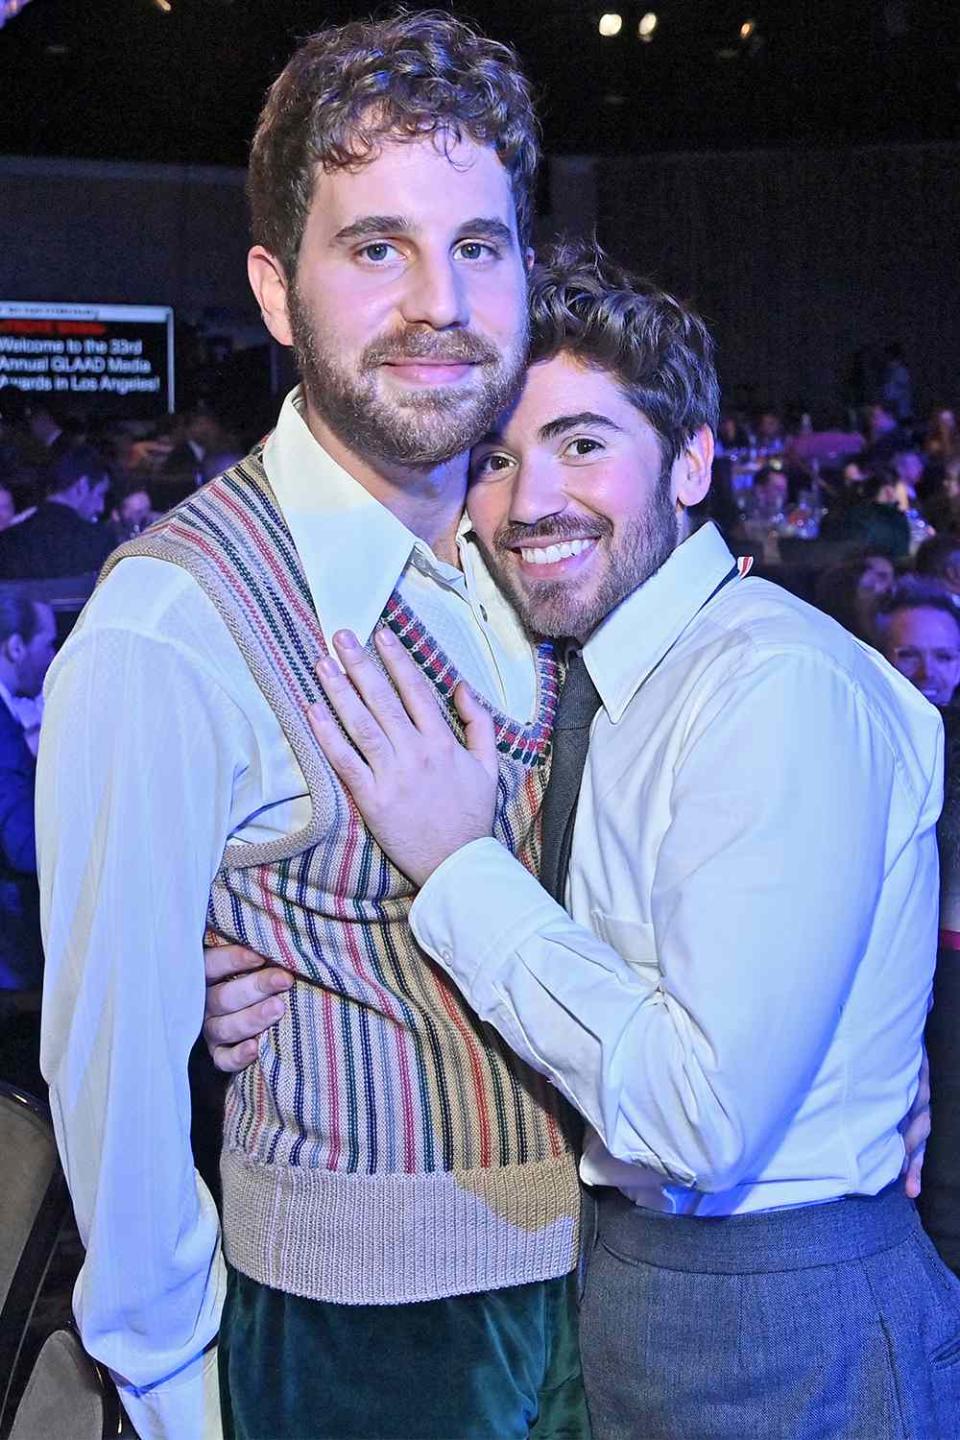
point(385, 1146)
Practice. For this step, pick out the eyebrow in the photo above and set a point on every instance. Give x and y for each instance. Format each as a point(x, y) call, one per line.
point(483, 227)
point(369, 225)
point(562, 423)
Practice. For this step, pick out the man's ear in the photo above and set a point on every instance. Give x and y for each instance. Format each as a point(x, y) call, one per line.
point(12, 649)
point(269, 284)
point(528, 258)
point(694, 467)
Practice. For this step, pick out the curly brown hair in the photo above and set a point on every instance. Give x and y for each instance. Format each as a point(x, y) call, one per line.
point(350, 86)
point(658, 349)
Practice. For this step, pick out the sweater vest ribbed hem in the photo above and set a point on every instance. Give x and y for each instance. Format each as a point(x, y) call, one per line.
point(394, 1239)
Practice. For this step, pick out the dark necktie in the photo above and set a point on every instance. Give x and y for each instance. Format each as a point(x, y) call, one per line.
point(576, 708)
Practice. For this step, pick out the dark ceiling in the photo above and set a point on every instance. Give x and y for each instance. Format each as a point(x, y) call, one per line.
point(123, 79)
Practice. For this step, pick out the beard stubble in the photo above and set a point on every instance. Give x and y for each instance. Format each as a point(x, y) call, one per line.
point(424, 427)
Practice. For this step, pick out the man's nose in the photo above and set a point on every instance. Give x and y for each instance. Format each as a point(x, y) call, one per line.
point(435, 294)
point(538, 493)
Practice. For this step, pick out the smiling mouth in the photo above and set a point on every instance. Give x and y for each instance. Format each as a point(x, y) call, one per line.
point(553, 554)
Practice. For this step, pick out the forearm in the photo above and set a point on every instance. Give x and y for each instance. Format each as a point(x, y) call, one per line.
point(152, 1282)
point(624, 1054)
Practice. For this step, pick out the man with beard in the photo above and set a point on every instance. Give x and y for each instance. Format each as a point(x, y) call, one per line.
point(736, 999)
point(400, 1196)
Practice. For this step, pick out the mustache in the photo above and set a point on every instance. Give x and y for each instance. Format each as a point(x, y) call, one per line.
point(552, 528)
point(462, 347)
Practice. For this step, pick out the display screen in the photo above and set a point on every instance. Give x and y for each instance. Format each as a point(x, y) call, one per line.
point(103, 360)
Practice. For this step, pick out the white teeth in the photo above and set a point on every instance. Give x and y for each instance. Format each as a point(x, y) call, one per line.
point(550, 554)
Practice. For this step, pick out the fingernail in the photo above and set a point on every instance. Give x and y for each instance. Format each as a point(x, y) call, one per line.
point(386, 637)
point(327, 666)
point(283, 981)
point(346, 640)
point(274, 1009)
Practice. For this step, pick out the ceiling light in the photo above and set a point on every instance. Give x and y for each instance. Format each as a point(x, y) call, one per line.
point(611, 24)
point(747, 29)
point(163, 5)
point(648, 24)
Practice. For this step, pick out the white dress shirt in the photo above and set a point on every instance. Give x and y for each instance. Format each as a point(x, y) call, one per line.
point(737, 1003)
point(6, 698)
point(157, 748)
point(27, 710)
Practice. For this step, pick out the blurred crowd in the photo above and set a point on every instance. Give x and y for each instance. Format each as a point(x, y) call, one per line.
point(71, 490)
point(864, 523)
point(889, 484)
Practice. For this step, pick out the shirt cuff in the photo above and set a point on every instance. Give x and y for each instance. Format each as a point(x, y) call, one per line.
point(474, 913)
point(185, 1407)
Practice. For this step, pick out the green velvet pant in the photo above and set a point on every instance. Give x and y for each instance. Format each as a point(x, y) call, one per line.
point(501, 1365)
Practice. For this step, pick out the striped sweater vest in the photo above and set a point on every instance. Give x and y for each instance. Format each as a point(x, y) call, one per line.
point(386, 1146)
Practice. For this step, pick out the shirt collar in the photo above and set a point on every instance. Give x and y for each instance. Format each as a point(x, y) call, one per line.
point(352, 548)
point(7, 699)
point(635, 637)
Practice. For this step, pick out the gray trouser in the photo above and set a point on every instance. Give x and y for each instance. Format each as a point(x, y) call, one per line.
point(824, 1322)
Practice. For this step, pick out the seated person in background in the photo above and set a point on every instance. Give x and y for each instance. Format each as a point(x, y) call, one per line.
point(917, 628)
point(131, 515)
point(938, 494)
point(767, 497)
point(27, 640)
point(732, 434)
point(942, 441)
point(873, 520)
point(940, 1198)
point(908, 465)
point(896, 385)
point(849, 592)
point(840, 488)
point(884, 435)
point(770, 431)
point(62, 537)
point(939, 559)
point(200, 442)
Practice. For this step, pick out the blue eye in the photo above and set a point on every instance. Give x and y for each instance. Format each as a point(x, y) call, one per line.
point(474, 250)
point(377, 251)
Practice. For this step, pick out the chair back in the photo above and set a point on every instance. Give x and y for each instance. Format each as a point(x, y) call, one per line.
point(33, 1202)
point(67, 1395)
